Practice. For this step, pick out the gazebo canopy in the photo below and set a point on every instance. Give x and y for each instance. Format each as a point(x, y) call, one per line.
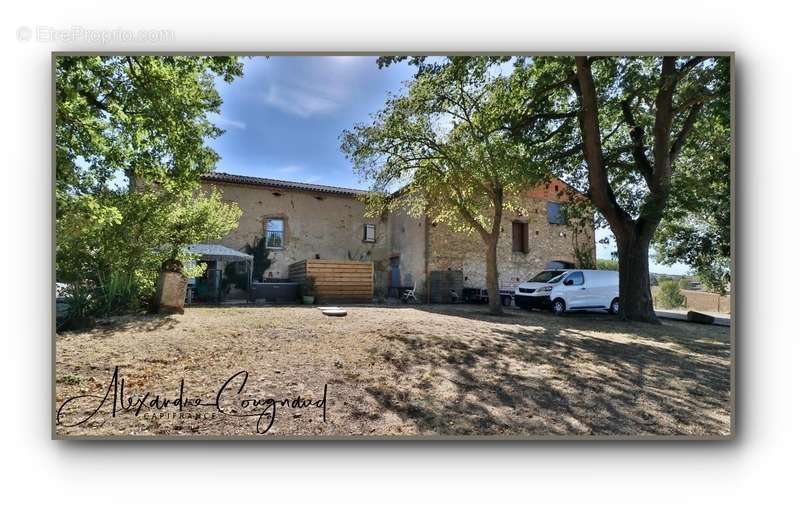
point(216, 252)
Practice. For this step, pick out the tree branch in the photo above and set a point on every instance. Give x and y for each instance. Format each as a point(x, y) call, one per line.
point(636, 133)
point(683, 133)
point(599, 189)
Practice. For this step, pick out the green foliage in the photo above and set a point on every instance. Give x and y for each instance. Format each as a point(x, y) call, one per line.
point(446, 142)
point(79, 299)
point(131, 143)
point(309, 285)
point(696, 229)
point(261, 261)
point(607, 264)
point(70, 378)
point(116, 293)
point(137, 116)
point(579, 215)
point(669, 295)
point(683, 282)
point(450, 144)
point(146, 229)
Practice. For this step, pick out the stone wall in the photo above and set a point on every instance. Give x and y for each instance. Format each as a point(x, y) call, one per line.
point(450, 250)
point(316, 225)
point(326, 226)
point(407, 236)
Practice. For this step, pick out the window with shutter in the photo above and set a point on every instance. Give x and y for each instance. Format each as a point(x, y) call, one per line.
point(555, 213)
point(519, 237)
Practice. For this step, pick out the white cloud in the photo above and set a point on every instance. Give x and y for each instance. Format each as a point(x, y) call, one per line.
point(304, 101)
point(306, 87)
point(224, 122)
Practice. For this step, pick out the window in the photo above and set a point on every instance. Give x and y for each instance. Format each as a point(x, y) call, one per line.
point(519, 237)
point(555, 213)
point(274, 233)
point(369, 233)
point(576, 278)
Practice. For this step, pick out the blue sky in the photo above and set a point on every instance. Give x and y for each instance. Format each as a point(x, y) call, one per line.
point(283, 119)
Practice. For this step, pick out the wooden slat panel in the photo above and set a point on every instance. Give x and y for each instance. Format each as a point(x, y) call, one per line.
point(339, 270)
point(337, 262)
point(330, 289)
point(339, 280)
point(342, 275)
point(340, 267)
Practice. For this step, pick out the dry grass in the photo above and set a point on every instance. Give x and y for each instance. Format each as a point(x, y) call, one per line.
point(422, 370)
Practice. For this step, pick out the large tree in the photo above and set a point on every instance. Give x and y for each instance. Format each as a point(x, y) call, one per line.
point(696, 228)
point(121, 119)
point(624, 130)
point(635, 118)
point(442, 150)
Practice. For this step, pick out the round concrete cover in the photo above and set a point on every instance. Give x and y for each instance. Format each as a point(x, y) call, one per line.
point(335, 312)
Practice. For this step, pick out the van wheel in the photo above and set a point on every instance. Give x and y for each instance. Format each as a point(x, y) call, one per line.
point(559, 306)
point(614, 308)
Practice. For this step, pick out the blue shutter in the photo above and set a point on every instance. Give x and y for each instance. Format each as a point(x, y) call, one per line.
point(555, 215)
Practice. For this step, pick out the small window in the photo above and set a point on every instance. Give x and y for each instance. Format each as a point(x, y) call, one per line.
point(555, 213)
point(274, 233)
point(576, 278)
point(519, 237)
point(369, 233)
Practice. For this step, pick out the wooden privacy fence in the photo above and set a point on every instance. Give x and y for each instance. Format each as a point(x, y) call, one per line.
point(337, 280)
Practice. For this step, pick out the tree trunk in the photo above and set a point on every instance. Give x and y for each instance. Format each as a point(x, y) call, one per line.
point(492, 283)
point(633, 236)
point(635, 297)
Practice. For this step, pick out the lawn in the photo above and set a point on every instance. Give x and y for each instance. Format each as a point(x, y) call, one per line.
point(405, 370)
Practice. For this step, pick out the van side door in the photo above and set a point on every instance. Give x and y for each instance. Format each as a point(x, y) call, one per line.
point(575, 292)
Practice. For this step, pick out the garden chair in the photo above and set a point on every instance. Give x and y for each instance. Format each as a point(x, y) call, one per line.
point(410, 295)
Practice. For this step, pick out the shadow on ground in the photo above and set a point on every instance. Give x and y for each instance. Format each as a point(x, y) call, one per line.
point(537, 374)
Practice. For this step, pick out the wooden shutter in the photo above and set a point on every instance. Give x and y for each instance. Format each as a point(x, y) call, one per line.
point(525, 243)
point(519, 237)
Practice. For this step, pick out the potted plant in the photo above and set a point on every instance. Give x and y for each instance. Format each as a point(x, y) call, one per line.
point(308, 290)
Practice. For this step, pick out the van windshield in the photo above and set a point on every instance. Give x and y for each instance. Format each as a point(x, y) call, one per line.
point(545, 275)
point(556, 280)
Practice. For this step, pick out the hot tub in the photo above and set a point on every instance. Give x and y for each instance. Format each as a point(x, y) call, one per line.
point(275, 291)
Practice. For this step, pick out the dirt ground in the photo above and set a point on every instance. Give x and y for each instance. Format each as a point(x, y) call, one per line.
point(421, 370)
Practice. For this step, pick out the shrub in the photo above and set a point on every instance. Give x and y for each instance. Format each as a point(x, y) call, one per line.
point(117, 293)
point(669, 295)
point(606, 264)
point(261, 262)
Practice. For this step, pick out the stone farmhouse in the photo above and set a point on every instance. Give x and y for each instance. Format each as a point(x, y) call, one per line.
point(310, 221)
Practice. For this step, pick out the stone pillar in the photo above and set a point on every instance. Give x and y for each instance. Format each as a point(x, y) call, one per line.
point(171, 292)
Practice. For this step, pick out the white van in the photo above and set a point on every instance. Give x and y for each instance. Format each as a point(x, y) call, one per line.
point(572, 290)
